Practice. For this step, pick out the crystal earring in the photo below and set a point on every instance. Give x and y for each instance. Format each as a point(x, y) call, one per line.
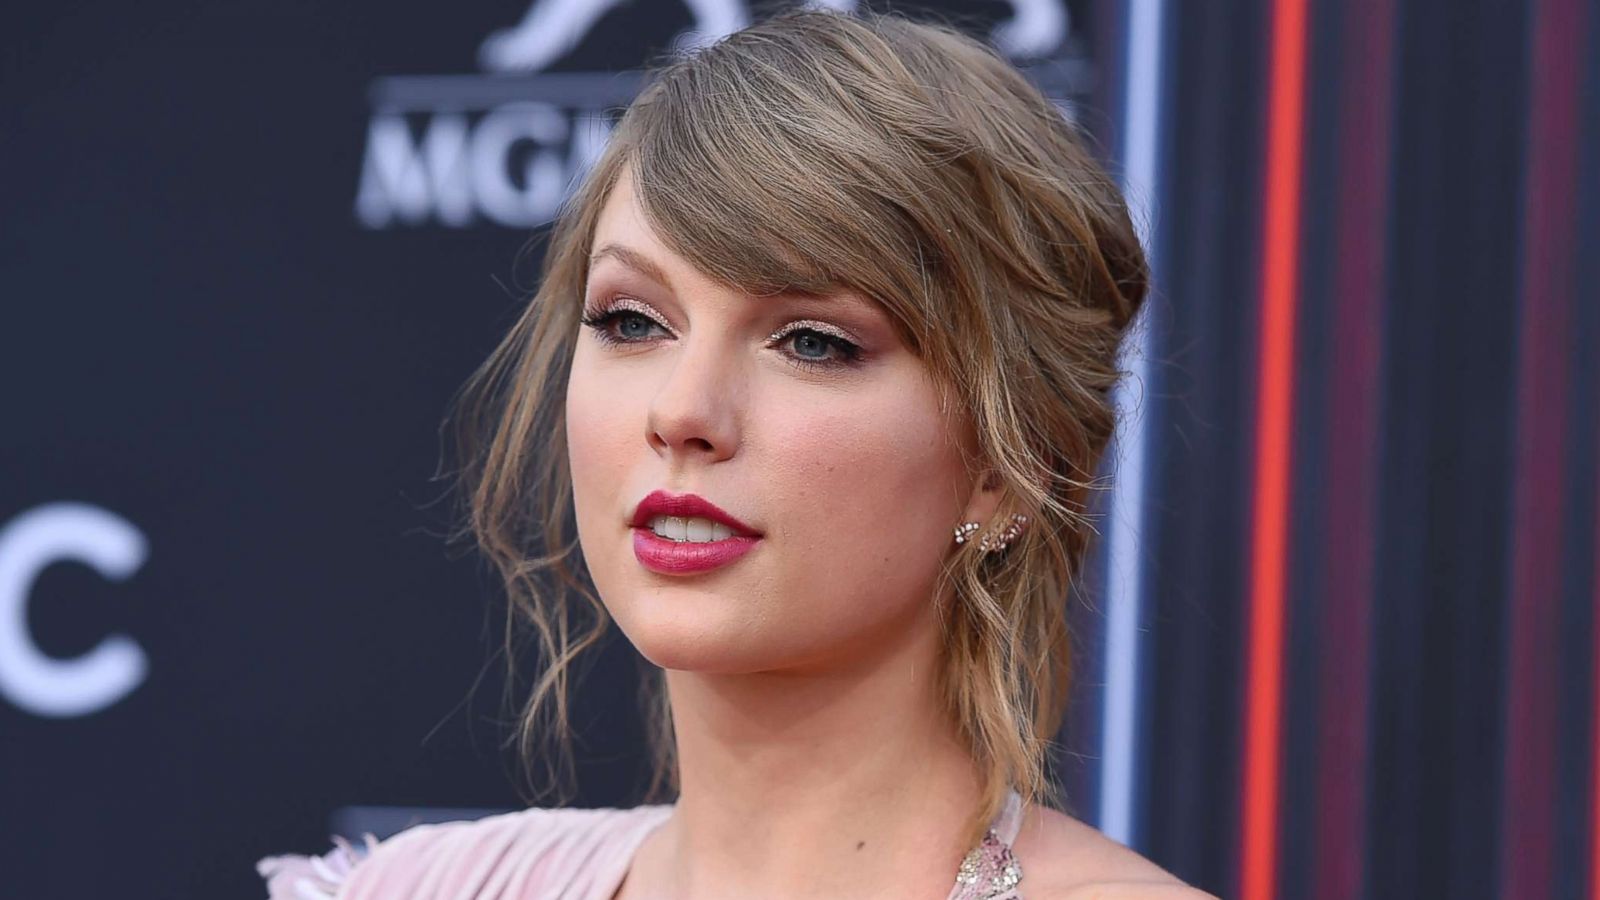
point(965, 530)
point(989, 544)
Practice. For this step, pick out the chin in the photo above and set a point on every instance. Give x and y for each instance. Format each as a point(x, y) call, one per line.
point(682, 632)
point(707, 656)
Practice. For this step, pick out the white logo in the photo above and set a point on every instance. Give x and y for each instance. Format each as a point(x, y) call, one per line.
point(57, 532)
point(551, 28)
point(508, 146)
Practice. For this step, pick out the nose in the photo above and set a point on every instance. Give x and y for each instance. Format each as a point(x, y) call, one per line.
point(693, 412)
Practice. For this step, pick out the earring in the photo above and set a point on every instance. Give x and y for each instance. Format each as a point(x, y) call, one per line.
point(989, 544)
point(965, 530)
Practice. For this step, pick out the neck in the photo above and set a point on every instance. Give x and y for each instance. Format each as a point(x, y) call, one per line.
point(840, 781)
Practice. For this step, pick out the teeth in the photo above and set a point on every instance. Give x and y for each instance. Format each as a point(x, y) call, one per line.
point(691, 530)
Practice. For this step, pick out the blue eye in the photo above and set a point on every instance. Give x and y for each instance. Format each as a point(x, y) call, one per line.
point(635, 326)
point(813, 347)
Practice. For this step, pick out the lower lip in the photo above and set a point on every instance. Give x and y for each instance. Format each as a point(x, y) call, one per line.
point(684, 557)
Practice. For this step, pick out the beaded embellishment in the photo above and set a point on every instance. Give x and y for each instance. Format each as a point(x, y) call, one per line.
point(989, 870)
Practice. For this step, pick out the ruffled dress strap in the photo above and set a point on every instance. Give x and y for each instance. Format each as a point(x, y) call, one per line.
point(293, 876)
point(990, 871)
point(536, 852)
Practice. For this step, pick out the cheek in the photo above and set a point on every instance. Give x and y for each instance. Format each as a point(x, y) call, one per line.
point(600, 435)
point(864, 494)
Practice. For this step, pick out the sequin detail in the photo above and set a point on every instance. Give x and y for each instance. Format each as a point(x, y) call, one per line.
point(989, 870)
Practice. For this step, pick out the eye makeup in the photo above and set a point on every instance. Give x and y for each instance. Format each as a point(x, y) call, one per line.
point(604, 317)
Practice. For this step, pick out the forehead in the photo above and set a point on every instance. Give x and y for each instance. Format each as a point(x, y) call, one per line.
point(624, 239)
point(622, 223)
point(623, 235)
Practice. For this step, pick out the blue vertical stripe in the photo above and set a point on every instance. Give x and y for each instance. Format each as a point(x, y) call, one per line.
point(1125, 527)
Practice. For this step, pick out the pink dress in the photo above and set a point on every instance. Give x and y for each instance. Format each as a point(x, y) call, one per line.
point(573, 854)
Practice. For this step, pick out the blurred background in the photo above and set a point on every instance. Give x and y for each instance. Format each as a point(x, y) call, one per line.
point(1338, 636)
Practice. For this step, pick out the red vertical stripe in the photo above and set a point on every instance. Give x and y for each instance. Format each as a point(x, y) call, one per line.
point(1594, 722)
point(1546, 286)
point(1339, 836)
point(1274, 402)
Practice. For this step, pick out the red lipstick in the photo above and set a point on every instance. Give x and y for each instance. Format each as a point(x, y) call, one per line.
point(670, 557)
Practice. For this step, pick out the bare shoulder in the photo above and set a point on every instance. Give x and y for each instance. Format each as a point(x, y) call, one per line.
point(1063, 858)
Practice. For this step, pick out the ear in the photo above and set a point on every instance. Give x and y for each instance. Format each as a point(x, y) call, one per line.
point(984, 501)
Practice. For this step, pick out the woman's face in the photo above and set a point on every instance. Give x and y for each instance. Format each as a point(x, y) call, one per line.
point(805, 419)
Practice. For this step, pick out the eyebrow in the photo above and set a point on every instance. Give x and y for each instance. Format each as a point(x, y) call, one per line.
point(633, 259)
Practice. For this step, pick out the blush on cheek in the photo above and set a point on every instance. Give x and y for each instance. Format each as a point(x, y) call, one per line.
point(598, 437)
point(866, 483)
point(602, 427)
point(901, 439)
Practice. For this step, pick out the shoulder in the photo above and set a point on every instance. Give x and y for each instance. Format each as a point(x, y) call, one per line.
point(464, 858)
point(1063, 858)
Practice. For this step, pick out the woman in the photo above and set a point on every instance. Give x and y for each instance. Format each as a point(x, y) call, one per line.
point(835, 321)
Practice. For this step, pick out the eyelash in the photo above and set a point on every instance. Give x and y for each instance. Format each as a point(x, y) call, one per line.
point(601, 321)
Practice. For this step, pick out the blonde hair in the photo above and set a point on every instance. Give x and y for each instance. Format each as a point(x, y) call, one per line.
point(815, 151)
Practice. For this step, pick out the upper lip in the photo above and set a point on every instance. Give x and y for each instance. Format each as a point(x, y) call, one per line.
point(664, 503)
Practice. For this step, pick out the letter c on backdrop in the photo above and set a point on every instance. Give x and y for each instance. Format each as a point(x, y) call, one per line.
point(57, 532)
